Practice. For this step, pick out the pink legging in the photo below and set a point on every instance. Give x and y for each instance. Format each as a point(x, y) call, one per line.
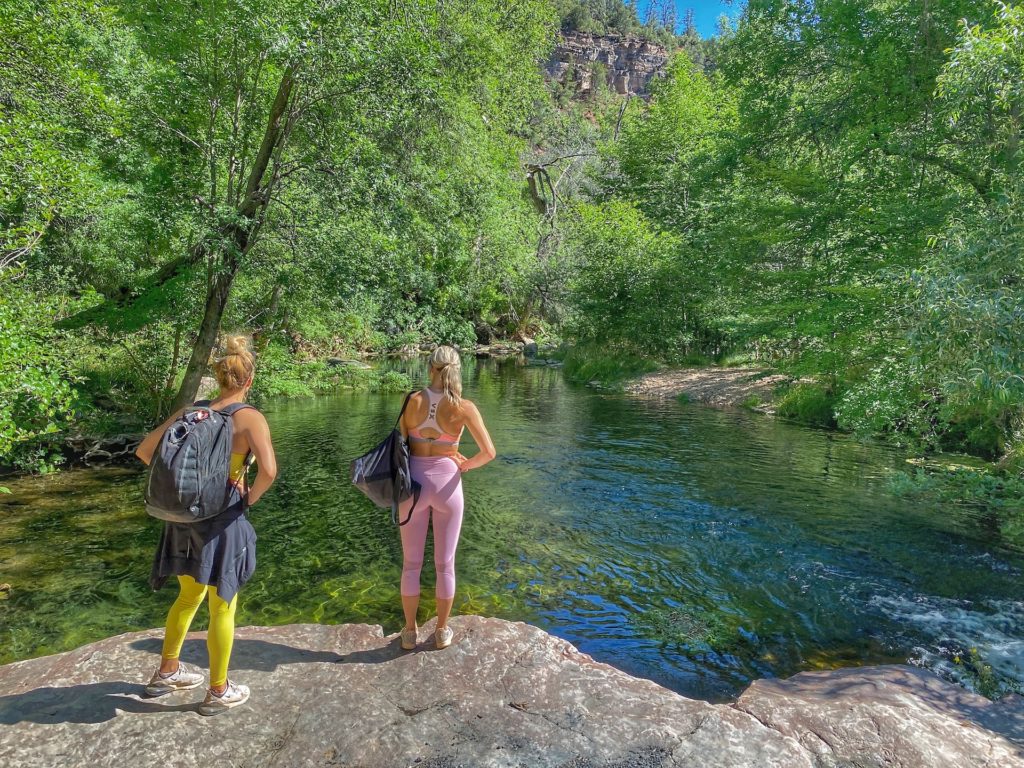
point(440, 498)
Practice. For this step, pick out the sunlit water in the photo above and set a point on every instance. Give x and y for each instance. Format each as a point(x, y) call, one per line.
point(700, 548)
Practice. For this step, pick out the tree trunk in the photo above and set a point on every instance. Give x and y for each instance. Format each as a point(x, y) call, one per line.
point(271, 324)
point(216, 301)
point(252, 208)
point(172, 374)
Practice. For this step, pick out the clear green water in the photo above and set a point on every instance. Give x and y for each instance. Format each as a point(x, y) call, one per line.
point(696, 547)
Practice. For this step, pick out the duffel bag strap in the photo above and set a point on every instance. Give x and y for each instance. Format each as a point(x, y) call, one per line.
point(415, 498)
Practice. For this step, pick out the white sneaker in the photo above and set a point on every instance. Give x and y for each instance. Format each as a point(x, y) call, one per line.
point(184, 678)
point(443, 637)
point(233, 695)
point(409, 639)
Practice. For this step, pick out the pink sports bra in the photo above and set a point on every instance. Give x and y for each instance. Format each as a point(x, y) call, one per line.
point(416, 434)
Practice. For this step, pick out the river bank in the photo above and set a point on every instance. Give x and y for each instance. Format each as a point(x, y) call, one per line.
point(711, 385)
point(504, 694)
point(109, 436)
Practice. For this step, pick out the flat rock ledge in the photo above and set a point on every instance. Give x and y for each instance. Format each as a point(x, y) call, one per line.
point(711, 386)
point(503, 694)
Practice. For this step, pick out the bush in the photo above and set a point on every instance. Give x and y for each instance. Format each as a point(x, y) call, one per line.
point(609, 368)
point(810, 404)
point(37, 394)
point(626, 291)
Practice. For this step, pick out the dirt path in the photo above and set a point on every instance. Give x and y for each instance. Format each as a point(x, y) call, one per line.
point(713, 386)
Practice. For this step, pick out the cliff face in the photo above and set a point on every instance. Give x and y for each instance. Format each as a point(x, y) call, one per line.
point(630, 63)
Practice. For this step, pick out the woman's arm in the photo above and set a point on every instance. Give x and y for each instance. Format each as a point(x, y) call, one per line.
point(149, 443)
point(258, 432)
point(475, 424)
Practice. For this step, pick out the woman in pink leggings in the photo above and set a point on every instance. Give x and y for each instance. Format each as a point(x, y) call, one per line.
point(433, 422)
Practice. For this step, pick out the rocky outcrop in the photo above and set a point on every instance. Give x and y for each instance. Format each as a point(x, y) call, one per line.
point(503, 694)
point(629, 63)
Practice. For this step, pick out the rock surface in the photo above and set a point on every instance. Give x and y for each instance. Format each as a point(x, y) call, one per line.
point(712, 386)
point(503, 694)
point(629, 63)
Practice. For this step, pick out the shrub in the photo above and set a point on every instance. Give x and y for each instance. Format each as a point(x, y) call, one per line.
point(609, 368)
point(811, 404)
point(37, 396)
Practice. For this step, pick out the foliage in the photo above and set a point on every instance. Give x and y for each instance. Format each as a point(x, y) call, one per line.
point(37, 399)
point(625, 291)
point(586, 364)
point(982, 677)
point(810, 404)
point(284, 374)
point(388, 211)
point(841, 199)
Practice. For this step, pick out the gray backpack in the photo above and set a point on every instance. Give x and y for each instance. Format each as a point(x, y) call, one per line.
point(188, 477)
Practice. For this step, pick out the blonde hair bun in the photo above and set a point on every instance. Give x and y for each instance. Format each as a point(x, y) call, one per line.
point(447, 361)
point(235, 363)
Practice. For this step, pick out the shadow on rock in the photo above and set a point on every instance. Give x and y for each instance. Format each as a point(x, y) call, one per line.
point(265, 656)
point(87, 703)
point(100, 702)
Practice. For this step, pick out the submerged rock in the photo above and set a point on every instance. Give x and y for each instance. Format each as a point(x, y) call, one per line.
point(93, 451)
point(501, 349)
point(338, 362)
point(503, 694)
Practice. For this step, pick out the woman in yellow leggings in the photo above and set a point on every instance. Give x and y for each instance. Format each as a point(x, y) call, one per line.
point(214, 557)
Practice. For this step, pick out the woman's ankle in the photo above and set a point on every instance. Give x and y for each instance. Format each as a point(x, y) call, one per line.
point(168, 666)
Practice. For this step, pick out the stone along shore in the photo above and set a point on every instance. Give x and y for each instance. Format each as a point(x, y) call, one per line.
point(504, 694)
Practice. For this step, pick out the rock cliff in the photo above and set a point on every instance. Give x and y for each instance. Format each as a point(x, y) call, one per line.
point(503, 694)
point(629, 64)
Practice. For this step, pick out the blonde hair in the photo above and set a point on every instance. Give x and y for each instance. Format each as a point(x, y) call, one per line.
point(235, 363)
point(449, 365)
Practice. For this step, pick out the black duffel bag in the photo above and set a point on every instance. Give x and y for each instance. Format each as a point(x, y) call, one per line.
point(382, 473)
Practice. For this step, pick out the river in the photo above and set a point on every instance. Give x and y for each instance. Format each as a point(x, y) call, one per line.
point(696, 547)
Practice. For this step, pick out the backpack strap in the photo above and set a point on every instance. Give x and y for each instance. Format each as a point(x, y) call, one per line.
point(234, 408)
point(230, 411)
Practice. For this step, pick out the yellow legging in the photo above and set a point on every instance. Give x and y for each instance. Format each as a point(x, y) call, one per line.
point(220, 636)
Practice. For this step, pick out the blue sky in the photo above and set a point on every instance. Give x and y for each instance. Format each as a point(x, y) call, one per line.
point(705, 12)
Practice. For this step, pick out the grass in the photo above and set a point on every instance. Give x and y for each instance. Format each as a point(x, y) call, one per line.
point(281, 374)
point(752, 401)
point(739, 360)
point(810, 404)
point(692, 360)
point(608, 368)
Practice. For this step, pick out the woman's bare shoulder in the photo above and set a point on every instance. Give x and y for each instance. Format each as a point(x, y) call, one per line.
point(468, 407)
point(250, 417)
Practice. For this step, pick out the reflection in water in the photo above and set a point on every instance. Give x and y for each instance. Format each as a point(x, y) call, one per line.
point(696, 547)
